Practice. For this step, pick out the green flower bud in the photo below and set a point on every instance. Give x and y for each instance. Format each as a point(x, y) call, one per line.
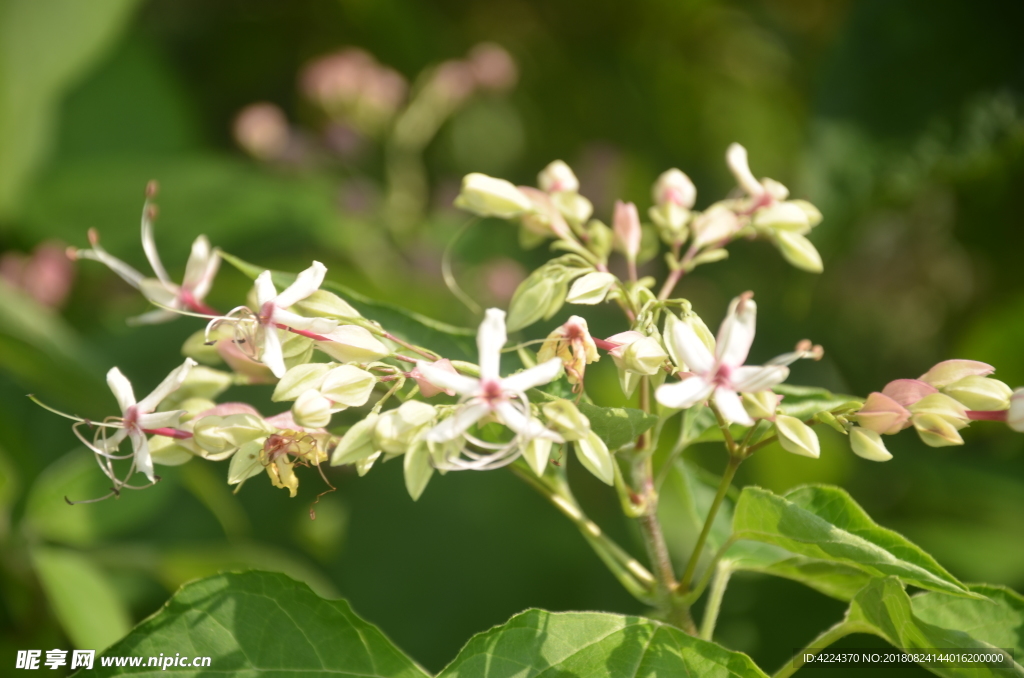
point(799, 251)
point(324, 304)
point(353, 344)
point(980, 393)
point(936, 430)
point(595, 457)
point(397, 429)
point(418, 469)
point(761, 404)
point(246, 463)
point(573, 206)
point(357, 443)
point(300, 379)
point(566, 419)
point(540, 296)
point(537, 452)
point(797, 437)
point(948, 371)
point(644, 356)
point(490, 197)
point(782, 216)
point(295, 348)
point(943, 406)
point(348, 386)
point(868, 444)
point(671, 220)
point(591, 288)
point(312, 410)
point(169, 451)
point(219, 437)
point(812, 212)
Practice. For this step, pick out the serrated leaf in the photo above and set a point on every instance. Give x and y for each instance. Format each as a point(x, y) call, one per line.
point(825, 523)
point(82, 596)
point(884, 609)
point(538, 643)
point(803, 402)
point(454, 343)
point(263, 623)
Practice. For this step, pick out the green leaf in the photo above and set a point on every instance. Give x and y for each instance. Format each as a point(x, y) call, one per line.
point(454, 343)
point(538, 643)
point(44, 48)
point(262, 623)
point(617, 426)
point(998, 621)
point(884, 609)
point(82, 596)
point(803, 402)
point(825, 523)
point(833, 579)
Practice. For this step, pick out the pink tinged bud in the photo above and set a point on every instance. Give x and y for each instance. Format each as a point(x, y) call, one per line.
point(906, 392)
point(262, 131)
point(493, 67)
point(426, 388)
point(867, 444)
point(1015, 415)
point(949, 371)
point(627, 229)
point(556, 177)
point(882, 414)
point(676, 188)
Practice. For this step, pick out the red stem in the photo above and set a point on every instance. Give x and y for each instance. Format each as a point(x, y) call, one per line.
point(168, 432)
point(987, 415)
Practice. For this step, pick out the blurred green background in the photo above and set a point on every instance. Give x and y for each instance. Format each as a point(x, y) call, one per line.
point(903, 121)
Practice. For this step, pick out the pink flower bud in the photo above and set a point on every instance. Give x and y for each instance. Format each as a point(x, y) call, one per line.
point(426, 388)
point(627, 228)
point(493, 67)
point(949, 371)
point(262, 131)
point(882, 414)
point(906, 392)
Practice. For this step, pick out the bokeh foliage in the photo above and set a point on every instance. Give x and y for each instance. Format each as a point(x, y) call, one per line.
point(903, 121)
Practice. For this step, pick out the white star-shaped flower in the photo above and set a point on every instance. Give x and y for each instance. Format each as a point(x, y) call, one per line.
point(722, 376)
point(504, 397)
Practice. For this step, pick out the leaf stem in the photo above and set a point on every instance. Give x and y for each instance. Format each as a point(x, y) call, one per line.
point(723, 489)
point(722, 574)
point(826, 638)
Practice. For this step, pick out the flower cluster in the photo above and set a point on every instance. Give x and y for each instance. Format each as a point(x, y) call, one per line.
point(324, 358)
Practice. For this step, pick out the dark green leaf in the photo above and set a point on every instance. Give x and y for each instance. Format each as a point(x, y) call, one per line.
point(455, 343)
point(824, 523)
point(684, 501)
point(538, 643)
point(262, 623)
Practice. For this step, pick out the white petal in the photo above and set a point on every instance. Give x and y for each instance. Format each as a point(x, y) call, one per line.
point(315, 325)
point(305, 284)
point(535, 376)
point(153, 420)
point(201, 268)
point(518, 422)
point(731, 407)
point(143, 462)
point(127, 273)
point(686, 393)
point(121, 387)
point(736, 158)
point(445, 380)
point(690, 349)
point(272, 355)
point(453, 427)
point(149, 247)
point(170, 383)
point(490, 339)
point(736, 333)
point(751, 379)
point(265, 290)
